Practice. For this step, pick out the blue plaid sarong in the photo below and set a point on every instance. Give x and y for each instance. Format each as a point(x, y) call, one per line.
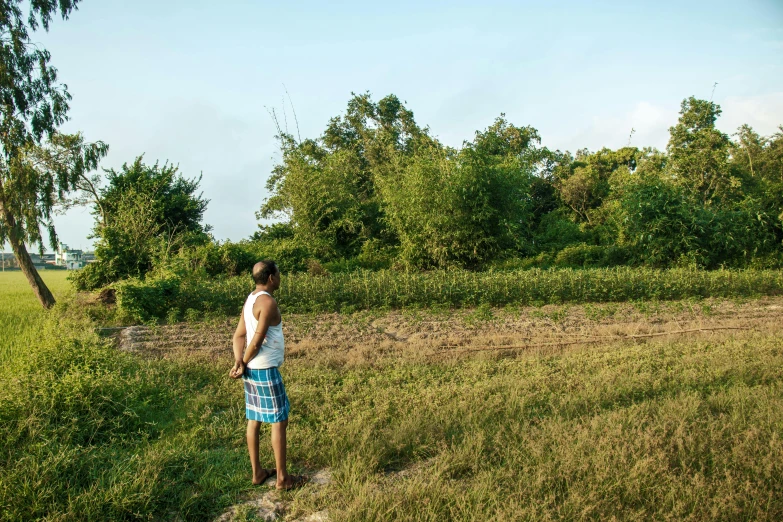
point(265, 397)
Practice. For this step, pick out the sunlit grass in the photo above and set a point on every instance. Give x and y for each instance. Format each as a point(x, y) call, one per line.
point(683, 430)
point(21, 315)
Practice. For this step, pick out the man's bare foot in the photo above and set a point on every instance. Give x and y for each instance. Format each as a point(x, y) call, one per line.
point(291, 482)
point(263, 477)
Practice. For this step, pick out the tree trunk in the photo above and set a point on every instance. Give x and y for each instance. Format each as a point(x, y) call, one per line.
point(25, 263)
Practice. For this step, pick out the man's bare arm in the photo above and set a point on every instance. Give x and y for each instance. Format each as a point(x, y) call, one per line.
point(238, 346)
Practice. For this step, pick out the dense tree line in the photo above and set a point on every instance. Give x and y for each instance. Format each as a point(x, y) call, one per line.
point(376, 185)
point(377, 190)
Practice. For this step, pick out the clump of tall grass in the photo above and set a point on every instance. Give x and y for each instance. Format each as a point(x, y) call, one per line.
point(171, 296)
point(92, 433)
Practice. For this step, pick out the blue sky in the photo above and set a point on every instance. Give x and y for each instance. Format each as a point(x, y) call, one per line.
point(190, 81)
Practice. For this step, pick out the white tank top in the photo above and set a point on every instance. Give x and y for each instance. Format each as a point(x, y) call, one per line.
point(272, 350)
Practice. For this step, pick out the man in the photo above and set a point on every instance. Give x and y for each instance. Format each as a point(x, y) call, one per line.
point(259, 350)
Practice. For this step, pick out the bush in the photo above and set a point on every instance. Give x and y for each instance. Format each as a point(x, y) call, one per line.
point(663, 227)
point(342, 266)
point(231, 259)
point(542, 260)
point(217, 259)
point(208, 260)
point(290, 255)
point(168, 296)
point(770, 261)
point(591, 256)
point(373, 255)
point(155, 298)
point(92, 276)
point(555, 232)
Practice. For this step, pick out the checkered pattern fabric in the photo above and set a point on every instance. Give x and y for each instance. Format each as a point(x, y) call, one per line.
point(265, 397)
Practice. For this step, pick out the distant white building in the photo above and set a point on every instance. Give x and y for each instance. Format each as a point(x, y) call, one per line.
point(7, 261)
point(69, 258)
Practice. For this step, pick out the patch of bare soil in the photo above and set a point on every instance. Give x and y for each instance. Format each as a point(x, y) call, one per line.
point(367, 338)
point(272, 505)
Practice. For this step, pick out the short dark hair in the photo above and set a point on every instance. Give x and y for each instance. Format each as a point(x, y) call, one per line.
point(263, 270)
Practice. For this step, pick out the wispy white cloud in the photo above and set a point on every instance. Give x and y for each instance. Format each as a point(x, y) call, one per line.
point(763, 112)
point(644, 124)
point(650, 123)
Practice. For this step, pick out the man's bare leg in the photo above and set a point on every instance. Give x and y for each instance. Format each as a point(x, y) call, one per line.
point(259, 474)
point(279, 447)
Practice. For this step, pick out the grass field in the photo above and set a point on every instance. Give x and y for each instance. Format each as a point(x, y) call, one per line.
point(20, 313)
point(663, 428)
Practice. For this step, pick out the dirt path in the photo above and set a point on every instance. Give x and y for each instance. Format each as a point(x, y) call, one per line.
point(271, 505)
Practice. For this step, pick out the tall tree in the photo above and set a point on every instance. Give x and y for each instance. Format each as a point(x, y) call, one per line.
point(327, 188)
point(758, 162)
point(466, 207)
point(699, 153)
point(585, 184)
point(144, 214)
point(32, 105)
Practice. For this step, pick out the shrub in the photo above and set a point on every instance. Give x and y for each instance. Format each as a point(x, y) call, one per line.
point(342, 266)
point(663, 227)
point(290, 255)
point(579, 256)
point(556, 231)
point(154, 298)
point(92, 276)
point(216, 259)
point(591, 256)
point(542, 260)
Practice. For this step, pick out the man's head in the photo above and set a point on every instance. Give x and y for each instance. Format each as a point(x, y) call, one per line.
point(266, 274)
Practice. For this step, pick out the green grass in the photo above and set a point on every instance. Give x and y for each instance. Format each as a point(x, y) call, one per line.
point(689, 430)
point(21, 315)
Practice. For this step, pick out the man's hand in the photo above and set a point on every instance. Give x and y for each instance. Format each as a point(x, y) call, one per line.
point(238, 370)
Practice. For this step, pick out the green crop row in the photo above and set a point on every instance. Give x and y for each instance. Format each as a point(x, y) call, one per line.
point(172, 297)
